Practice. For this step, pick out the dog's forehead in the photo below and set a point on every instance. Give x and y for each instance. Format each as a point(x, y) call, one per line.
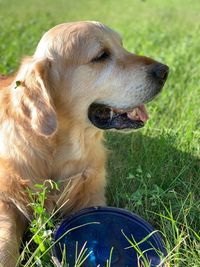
point(87, 35)
point(104, 32)
point(91, 34)
point(85, 29)
point(95, 36)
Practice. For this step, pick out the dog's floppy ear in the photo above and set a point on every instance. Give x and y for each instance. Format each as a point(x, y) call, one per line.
point(31, 97)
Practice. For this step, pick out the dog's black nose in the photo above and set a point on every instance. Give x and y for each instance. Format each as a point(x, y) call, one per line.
point(160, 72)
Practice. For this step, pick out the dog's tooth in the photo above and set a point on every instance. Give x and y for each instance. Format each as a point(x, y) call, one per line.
point(133, 114)
point(111, 114)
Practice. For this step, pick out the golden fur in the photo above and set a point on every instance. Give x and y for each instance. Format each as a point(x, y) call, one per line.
point(44, 129)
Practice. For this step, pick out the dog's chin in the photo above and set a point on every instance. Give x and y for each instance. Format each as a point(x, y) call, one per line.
point(106, 118)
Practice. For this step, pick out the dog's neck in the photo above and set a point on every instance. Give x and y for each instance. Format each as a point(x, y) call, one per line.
point(37, 157)
point(48, 158)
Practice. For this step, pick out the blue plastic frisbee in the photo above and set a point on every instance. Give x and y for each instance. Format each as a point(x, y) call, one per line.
point(99, 235)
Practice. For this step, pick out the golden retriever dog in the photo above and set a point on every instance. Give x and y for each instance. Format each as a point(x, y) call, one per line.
point(53, 112)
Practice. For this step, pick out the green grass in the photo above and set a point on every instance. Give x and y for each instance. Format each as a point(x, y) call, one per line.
point(154, 172)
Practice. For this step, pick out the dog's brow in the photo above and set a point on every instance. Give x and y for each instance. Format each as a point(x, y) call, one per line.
point(97, 47)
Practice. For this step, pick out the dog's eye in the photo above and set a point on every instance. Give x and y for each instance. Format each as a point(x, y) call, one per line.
point(101, 57)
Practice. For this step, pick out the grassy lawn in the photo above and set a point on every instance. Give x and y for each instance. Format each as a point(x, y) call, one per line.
point(154, 172)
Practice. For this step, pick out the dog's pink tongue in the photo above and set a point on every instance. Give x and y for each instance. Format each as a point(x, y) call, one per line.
point(142, 113)
point(139, 113)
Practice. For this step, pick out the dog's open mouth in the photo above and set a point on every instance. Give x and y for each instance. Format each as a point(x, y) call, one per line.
point(105, 117)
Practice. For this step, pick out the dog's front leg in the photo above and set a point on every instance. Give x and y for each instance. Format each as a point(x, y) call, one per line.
point(12, 225)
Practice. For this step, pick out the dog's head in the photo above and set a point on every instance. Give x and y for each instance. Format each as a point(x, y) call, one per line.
point(84, 67)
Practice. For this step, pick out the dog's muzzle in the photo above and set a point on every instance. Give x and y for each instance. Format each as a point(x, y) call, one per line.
point(106, 117)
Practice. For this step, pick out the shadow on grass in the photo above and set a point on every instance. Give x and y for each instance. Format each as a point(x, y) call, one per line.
point(144, 172)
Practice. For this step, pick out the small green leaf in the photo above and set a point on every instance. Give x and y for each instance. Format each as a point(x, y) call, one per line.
point(18, 83)
point(39, 186)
